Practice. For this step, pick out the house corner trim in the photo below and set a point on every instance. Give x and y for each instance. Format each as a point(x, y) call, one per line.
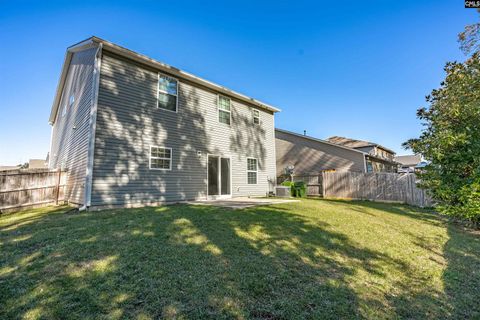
point(92, 128)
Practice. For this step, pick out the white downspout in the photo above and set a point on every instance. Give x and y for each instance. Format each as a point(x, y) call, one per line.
point(51, 144)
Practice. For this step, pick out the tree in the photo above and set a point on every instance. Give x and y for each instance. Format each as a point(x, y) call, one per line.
point(24, 166)
point(450, 140)
point(470, 38)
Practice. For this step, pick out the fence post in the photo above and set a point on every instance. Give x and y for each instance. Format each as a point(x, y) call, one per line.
point(57, 193)
point(323, 183)
point(413, 189)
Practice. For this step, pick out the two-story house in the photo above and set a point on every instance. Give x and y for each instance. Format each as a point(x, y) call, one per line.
point(410, 163)
point(310, 155)
point(132, 131)
point(379, 158)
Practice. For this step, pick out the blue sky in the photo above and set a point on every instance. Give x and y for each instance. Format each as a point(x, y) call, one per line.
point(352, 68)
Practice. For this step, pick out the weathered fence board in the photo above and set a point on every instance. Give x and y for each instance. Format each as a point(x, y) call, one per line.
point(21, 188)
point(392, 187)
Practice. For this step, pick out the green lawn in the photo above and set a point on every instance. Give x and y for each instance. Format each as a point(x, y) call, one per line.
point(313, 259)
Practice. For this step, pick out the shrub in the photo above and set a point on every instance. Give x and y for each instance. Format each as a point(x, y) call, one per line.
point(467, 205)
point(287, 183)
point(299, 189)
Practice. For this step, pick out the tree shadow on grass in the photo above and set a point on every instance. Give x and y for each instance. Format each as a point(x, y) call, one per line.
point(458, 253)
point(184, 261)
point(462, 275)
point(448, 244)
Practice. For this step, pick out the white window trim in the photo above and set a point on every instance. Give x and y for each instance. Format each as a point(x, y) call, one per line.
point(256, 172)
point(162, 91)
point(150, 159)
point(218, 109)
point(256, 116)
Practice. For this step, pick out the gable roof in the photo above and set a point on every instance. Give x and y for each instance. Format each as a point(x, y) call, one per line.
point(320, 141)
point(409, 160)
point(121, 51)
point(355, 143)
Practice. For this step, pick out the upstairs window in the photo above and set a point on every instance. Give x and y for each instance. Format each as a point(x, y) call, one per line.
point(160, 158)
point(167, 93)
point(256, 116)
point(224, 106)
point(252, 170)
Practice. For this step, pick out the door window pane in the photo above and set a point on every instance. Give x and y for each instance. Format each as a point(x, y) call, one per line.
point(212, 176)
point(225, 175)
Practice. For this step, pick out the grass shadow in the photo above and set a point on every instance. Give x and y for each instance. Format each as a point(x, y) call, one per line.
point(273, 262)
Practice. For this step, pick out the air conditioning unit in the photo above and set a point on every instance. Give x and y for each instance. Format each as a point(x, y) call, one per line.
point(282, 191)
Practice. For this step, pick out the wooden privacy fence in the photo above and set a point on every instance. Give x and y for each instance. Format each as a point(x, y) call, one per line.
point(388, 187)
point(23, 188)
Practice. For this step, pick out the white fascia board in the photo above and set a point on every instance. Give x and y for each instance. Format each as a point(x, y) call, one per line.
point(63, 75)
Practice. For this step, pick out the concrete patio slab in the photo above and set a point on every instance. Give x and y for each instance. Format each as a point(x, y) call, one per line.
point(241, 202)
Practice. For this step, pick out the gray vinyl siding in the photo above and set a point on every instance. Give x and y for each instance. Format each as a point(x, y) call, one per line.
point(311, 156)
point(70, 133)
point(129, 122)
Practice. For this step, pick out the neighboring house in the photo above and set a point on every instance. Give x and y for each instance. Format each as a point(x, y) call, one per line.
point(8, 168)
point(311, 155)
point(133, 131)
point(379, 159)
point(421, 166)
point(37, 164)
point(409, 163)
